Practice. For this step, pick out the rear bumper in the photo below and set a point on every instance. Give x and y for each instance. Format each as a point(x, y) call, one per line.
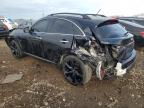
point(128, 63)
point(124, 66)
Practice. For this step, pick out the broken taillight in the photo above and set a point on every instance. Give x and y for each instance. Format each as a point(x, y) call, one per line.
point(142, 34)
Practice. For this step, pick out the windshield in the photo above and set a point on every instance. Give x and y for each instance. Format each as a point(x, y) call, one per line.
point(111, 31)
point(10, 20)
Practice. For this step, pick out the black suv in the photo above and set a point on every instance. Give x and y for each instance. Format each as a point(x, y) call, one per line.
point(81, 44)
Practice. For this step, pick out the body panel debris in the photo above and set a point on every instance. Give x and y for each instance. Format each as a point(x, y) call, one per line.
point(11, 78)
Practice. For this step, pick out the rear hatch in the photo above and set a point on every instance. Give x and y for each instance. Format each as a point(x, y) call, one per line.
point(111, 32)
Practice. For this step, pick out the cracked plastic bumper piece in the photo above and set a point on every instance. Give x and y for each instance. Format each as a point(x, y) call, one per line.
point(119, 70)
point(126, 65)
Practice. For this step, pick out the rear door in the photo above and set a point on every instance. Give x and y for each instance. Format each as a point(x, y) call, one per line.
point(58, 39)
point(32, 41)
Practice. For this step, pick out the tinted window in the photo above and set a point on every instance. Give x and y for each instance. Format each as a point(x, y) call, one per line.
point(65, 27)
point(111, 30)
point(62, 26)
point(11, 21)
point(40, 26)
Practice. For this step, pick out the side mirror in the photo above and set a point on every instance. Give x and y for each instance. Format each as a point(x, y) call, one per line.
point(26, 29)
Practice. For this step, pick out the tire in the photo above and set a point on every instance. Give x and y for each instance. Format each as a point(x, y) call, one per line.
point(75, 71)
point(16, 49)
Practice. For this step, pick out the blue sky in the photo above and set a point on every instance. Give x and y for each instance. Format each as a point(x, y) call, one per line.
point(37, 8)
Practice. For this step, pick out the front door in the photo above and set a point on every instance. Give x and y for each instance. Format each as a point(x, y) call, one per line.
point(37, 32)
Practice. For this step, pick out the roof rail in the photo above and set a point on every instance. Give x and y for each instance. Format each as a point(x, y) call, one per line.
point(96, 15)
point(82, 15)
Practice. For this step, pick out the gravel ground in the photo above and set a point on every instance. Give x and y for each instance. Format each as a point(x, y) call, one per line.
point(43, 86)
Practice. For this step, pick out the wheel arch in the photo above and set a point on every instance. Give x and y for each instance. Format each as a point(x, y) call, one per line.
point(9, 39)
point(74, 53)
point(65, 55)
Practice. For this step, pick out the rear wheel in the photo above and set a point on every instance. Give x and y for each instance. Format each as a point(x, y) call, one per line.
point(75, 71)
point(15, 49)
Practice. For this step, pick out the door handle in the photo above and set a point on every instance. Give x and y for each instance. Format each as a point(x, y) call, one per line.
point(64, 41)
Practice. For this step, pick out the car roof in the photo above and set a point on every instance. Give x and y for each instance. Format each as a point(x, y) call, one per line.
point(76, 15)
point(86, 19)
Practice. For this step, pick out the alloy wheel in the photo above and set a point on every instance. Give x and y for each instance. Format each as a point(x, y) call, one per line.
point(73, 72)
point(14, 49)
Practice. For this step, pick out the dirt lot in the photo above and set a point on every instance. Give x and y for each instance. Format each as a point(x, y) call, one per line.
point(43, 86)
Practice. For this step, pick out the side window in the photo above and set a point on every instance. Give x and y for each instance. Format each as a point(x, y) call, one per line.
point(62, 26)
point(65, 27)
point(40, 26)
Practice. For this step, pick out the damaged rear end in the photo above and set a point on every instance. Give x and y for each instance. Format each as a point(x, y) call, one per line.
point(110, 51)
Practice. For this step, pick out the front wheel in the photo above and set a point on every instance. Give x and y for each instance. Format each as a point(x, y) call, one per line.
point(15, 49)
point(75, 71)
